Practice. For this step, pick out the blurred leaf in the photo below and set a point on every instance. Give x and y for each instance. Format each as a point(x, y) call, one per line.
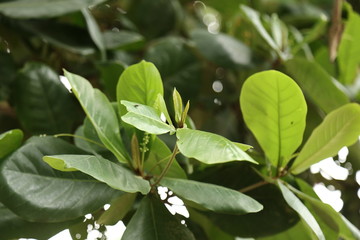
point(210, 148)
point(226, 8)
point(349, 48)
point(101, 114)
point(222, 49)
point(316, 83)
point(7, 73)
point(10, 141)
point(114, 175)
point(118, 209)
point(145, 118)
point(152, 221)
point(212, 197)
point(340, 128)
point(302, 210)
point(110, 73)
point(122, 39)
point(43, 105)
point(43, 8)
point(274, 109)
point(322, 57)
point(91, 143)
point(158, 157)
point(299, 231)
point(12, 226)
point(94, 31)
point(36, 192)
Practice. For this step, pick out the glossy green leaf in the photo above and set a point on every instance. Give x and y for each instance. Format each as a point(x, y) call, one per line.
point(340, 128)
point(158, 158)
point(43, 105)
point(152, 221)
point(43, 8)
point(145, 118)
point(36, 192)
point(302, 210)
point(101, 114)
point(349, 48)
point(316, 83)
point(140, 83)
point(221, 49)
point(209, 148)
point(213, 197)
point(274, 109)
point(9, 141)
point(118, 209)
point(114, 175)
point(122, 40)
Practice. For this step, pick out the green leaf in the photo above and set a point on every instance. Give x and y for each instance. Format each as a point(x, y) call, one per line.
point(36, 192)
point(140, 83)
point(349, 49)
point(213, 197)
point(274, 109)
point(9, 141)
point(101, 114)
point(160, 105)
point(43, 105)
point(222, 49)
point(316, 83)
point(112, 174)
point(122, 40)
point(43, 8)
point(340, 128)
point(152, 221)
point(14, 227)
point(145, 118)
point(7, 73)
point(118, 209)
point(110, 73)
point(209, 148)
point(301, 209)
point(158, 158)
point(178, 106)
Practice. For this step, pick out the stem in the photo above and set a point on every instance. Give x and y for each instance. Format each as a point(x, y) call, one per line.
point(80, 137)
point(251, 187)
point(158, 163)
point(167, 167)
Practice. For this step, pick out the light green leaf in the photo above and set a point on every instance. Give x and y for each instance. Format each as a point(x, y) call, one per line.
point(158, 158)
point(112, 174)
point(140, 83)
point(145, 118)
point(349, 48)
point(9, 141)
point(212, 197)
point(316, 83)
point(152, 221)
point(209, 148)
point(302, 210)
point(274, 109)
point(101, 114)
point(340, 128)
point(118, 209)
point(160, 105)
point(43, 8)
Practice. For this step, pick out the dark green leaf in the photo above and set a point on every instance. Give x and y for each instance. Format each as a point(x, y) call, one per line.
point(114, 175)
point(340, 128)
point(101, 114)
point(213, 197)
point(110, 73)
point(274, 109)
point(43, 8)
point(152, 221)
point(222, 49)
point(209, 148)
point(43, 104)
point(36, 192)
point(7, 73)
point(9, 141)
point(122, 40)
point(316, 83)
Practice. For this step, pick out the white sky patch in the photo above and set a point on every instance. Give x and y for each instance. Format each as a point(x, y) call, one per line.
point(106, 206)
point(65, 82)
point(333, 198)
point(330, 170)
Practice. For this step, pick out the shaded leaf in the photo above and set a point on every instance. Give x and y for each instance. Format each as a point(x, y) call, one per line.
point(36, 192)
point(101, 114)
point(209, 148)
point(122, 40)
point(145, 118)
point(7, 73)
point(213, 197)
point(274, 109)
point(114, 175)
point(9, 141)
point(340, 128)
point(152, 221)
point(110, 73)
